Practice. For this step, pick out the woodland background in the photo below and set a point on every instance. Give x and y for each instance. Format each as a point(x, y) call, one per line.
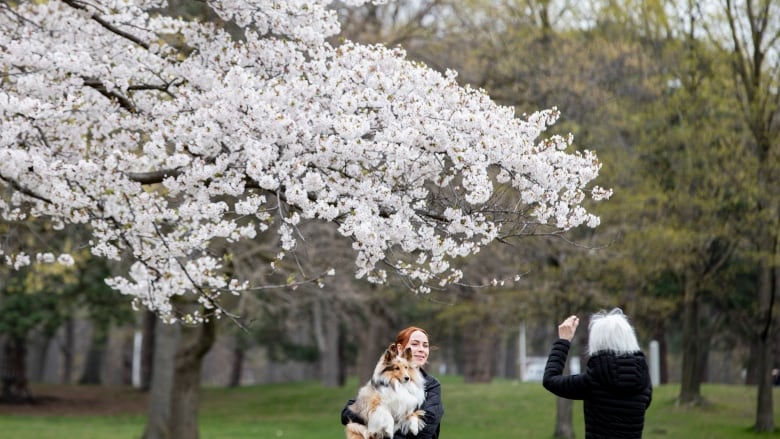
point(685, 121)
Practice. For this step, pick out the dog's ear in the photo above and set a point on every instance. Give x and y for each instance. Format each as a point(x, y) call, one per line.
point(390, 353)
point(408, 354)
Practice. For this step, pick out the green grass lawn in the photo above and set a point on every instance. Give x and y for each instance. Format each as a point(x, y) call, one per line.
point(502, 409)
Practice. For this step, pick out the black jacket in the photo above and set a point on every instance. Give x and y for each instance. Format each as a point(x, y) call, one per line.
point(434, 410)
point(616, 391)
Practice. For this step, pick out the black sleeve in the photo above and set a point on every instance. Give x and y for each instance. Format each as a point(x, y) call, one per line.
point(569, 386)
point(348, 415)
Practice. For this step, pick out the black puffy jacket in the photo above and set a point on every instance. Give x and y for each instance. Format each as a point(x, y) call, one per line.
point(434, 410)
point(615, 390)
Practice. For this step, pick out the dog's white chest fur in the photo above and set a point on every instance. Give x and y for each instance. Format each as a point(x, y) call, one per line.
point(403, 398)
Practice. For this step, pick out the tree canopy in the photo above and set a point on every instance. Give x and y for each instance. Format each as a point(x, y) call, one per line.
point(173, 139)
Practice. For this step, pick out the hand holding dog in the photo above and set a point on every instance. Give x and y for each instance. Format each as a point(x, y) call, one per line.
point(568, 327)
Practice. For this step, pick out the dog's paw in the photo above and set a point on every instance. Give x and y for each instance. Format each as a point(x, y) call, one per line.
point(383, 433)
point(414, 422)
point(356, 431)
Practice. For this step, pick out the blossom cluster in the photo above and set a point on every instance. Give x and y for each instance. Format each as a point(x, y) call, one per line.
point(171, 139)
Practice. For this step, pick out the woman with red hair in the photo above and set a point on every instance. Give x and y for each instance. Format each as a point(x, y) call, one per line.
point(417, 340)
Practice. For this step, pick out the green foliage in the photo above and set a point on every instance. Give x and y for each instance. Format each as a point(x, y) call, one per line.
point(43, 296)
point(30, 299)
point(21, 313)
point(502, 409)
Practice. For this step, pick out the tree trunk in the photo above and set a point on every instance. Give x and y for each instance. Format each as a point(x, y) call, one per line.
point(147, 349)
point(343, 353)
point(477, 354)
point(372, 340)
point(166, 340)
point(194, 345)
point(67, 351)
point(690, 383)
point(174, 397)
point(237, 368)
point(659, 335)
point(39, 368)
point(765, 422)
point(326, 330)
point(501, 356)
point(664, 363)
point(94, 361)
point(14, 371)
point(564, 425)
point(367, 354)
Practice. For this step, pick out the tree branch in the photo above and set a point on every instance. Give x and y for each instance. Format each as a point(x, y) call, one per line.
point(17, 187)
point(121, 100)
point(153, 177)
point(110, 27)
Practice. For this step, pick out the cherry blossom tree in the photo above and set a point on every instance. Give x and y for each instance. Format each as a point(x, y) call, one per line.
point(171, 140)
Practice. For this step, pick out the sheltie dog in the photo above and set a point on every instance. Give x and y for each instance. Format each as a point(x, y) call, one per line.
point(390, 400)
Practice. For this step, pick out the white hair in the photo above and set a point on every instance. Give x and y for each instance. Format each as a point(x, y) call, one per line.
point(610, 331)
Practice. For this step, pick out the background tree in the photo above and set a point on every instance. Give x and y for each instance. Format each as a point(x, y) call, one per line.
point(692, 150)
point(751, 41)
point(23, 308)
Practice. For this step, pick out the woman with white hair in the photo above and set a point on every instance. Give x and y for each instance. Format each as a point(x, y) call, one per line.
point(615, 387)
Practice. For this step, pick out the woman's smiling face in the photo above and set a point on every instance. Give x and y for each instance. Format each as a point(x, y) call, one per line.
point(418, 342)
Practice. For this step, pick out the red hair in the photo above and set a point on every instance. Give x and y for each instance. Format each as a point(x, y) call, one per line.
point(402, 339)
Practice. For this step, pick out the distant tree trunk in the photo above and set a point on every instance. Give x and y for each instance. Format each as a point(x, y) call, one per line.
point(477, 354)
point(690, 383)
point(767, 284)
point(67, 351)
point(326, 330)
point(14, 371)
point(501, 353)
point(39, 369)
point(195, 343)
point(663, 364)
point(95, 355)
point(237, 368)
point(159, 414)
point(147, 349)
point(754, 355)
point(452, 365)
point(564, 425)
point(342, 347)
point(369, 351)
point(373, 339)
point(764, 415)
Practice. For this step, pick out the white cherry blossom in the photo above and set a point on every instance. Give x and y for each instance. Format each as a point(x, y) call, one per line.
point(167, 138)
